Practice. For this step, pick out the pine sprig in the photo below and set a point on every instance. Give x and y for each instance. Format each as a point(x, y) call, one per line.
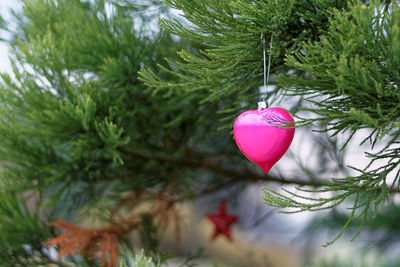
point(228, 66)
point(347, 66)
point(22, 230)
point(355, 82)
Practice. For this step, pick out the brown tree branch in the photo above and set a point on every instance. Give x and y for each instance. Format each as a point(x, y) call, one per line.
point(204, 162)
point(235, 175)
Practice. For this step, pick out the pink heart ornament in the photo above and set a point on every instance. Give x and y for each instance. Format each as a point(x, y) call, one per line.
point(259, 135)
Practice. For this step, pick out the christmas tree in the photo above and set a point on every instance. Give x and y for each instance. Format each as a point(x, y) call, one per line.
point(110, 121)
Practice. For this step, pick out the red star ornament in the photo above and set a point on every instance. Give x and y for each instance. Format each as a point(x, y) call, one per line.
point(222, 221)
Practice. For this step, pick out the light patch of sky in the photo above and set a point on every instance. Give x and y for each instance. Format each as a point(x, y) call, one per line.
point(5, 6)
point(153, 25)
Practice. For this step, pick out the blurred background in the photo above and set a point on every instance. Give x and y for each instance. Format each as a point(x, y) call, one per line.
point(263, 237)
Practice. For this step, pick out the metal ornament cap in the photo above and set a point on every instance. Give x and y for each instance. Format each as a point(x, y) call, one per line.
point(264, 135)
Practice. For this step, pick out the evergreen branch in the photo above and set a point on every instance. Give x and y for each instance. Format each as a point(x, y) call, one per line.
point(198, 161)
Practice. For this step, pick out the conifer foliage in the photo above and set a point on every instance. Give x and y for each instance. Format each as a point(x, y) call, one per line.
point(103, 123)
point(339, 56)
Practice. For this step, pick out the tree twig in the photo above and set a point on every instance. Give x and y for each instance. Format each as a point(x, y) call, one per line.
point(236, 175)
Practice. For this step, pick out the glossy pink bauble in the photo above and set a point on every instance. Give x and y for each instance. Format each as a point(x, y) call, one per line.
point(260, 136)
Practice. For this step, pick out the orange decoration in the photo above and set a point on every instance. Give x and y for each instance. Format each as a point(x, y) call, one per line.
point(93, 243)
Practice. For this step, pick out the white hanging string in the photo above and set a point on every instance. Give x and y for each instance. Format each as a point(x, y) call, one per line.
point(263, 103)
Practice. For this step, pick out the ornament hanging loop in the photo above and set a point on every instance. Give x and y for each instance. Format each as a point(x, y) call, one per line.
point(263, 104)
